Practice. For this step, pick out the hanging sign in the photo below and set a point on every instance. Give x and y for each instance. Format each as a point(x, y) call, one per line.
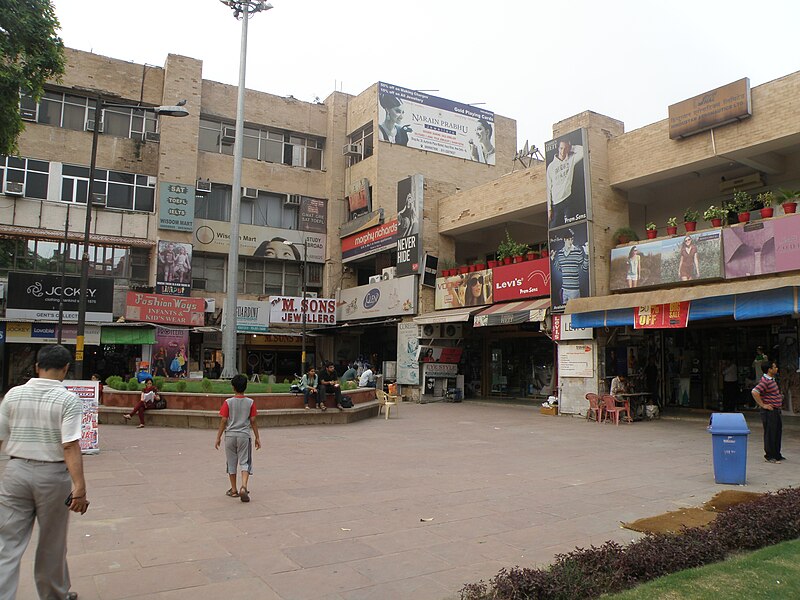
point(661, 316)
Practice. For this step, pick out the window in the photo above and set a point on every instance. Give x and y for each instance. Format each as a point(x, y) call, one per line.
point(268, 210)
point(126, 191)
point(33, 174)
point(363, 137)
point(214, 205)
point(208, 272)
point(257, 276)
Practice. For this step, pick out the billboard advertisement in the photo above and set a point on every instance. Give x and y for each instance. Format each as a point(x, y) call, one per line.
point(170, 310)
point(373, 240)
point(529, 279)
point(409, 224)
point(175, 206)
point(255, 240)
point(359, 201)
point(170, 358)
point(763, 247)
point(382, 299)
point(468, 289)
point(89, 394)
point(36, 296)
point(174, 273)
point(313, 214)
point(439, 354)
point(568, 196)
point(252, 316)
point(569, 265)
point(418, 120)
point(407, 344)
point(288, 310)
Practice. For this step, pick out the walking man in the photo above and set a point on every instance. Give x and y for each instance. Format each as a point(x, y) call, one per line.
point(40, 430)
point(769, 399)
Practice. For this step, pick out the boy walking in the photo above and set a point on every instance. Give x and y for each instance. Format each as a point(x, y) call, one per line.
point(238, 417)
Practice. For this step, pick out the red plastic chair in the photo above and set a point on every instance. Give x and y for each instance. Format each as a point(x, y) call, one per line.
point(595, 408)
point(610, 408)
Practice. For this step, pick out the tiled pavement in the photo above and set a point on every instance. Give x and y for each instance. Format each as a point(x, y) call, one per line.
point(409, 508)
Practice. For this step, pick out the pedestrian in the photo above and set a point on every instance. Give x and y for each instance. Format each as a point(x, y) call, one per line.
point(770, 400)
point(730, 386)
point(309, 385)
point(331, 382)
point(237, 421)
point(147, 400)
point(40, 425)
point(367, 378)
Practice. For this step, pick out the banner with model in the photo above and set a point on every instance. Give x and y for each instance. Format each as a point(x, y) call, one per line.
point(409, 224)
point(568, 195)
point(174, 274)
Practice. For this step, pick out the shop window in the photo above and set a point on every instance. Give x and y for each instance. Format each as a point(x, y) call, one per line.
point(362, 137)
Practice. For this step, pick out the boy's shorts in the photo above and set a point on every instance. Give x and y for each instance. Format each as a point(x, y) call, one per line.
point(238, 450)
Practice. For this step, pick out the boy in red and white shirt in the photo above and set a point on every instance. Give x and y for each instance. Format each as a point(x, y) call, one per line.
point(238, 418)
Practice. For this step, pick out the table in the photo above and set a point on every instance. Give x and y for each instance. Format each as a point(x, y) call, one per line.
point(636, 399)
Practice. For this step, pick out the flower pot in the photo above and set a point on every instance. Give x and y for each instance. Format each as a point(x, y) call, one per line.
point(480, 266)
point(744, 217)
point(473, 268)
point(544, 253)
point(789, 207)
point(518, 259)
point(506, 260)
point(493, 264)
point(532, 255)
point(463, 269)
point(690, 225)
point(452, 272)
point(672, 230)
point(651, 233)
point(445, 272)
point(716, 222)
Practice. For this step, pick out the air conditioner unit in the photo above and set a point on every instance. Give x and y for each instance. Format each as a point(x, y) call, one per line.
point(90, 126)
point(375, 278)
point(152, 180)
point(203, 186)
point(198, 284)
point(249, 193)
point(209, 304)
point(228, 135)
point(28, 114)
point(429, 331)
point(152, 136)
point(452, 331)
point(292, 200)
point(351, 150)
point(312, 294)
point(389, 273)
point(98, 200)
point(14, 189)
point(744, 183)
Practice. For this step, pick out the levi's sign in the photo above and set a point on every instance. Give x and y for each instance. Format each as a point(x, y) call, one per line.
point(529, 279)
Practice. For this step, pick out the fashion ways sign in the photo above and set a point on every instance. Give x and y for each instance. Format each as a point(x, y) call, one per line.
point(409, 224)
point(36, 296)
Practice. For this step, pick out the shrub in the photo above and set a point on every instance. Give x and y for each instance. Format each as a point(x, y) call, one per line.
point(206, 385)
point(181, 386)
point(690, 215)
point(349, 385)
point(159, 382)
point(133, 385)
point(115, 382)
point(623, 235)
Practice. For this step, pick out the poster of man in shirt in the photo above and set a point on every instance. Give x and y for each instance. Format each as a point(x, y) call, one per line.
point(174, 274)
point(409, 225)
point(567, 194)
point(569, 269)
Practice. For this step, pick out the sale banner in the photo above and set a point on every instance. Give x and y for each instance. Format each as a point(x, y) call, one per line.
point(661, 316)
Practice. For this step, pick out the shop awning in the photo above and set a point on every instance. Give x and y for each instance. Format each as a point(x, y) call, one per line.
point(131, 335)
point(453, 315)
point(524, 311)
point(344, 326)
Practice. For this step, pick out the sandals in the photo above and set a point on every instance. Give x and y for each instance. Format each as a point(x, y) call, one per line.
point(139, 426)
point(307, 407)
point(232, 493)
point(244, 495)
point(340, 407)
point(127, 417)
point(322, 407)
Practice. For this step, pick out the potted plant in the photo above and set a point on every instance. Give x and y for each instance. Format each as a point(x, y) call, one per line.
point(480, 266)
point(509, 250)
point(715, 214)
point(447, 265)
point(788, 200)
point(532, 254)
point(463, 269)
point(624, 235)
point(672, 226)
point(520, 252)
point(690, 217)
point(743, 202)
point(652, 230)
point(766, 200)
point(492, 263)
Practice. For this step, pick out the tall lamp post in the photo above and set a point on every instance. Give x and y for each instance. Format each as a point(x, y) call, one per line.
point(177, 110)
point(242, 10)
point(303, 310)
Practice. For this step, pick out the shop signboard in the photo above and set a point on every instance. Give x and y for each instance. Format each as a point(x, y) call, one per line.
point(529, 279)
point(674, 315)
point(174, 273)
point(359, 201)
point(430, 268)
point(441, 369)
point(361, 223)
point(89, 394)
point(170, 358)
point(726, 104)
point(170, 310)
point(469, 289)
point(407, 344)
point(410, 192)
point(418, 120)
point(576, 360)
point(568, 195)
point(255, 240)
point(563, 329)
point(289, 310)
point(176, 206)
point(36, 296)
point(371, 241)
point(763, 247)
point(47, 333)
point(252, 316)
point(439, 354)
point(570, 262)
point(387, 298)
point(313, 214)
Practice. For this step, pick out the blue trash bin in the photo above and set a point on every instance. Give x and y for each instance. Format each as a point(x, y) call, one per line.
point(729, 439)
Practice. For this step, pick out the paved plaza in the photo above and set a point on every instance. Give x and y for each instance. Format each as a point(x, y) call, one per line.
point(410, 508)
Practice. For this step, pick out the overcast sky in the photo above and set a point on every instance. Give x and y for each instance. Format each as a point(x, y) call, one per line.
point(533, 61)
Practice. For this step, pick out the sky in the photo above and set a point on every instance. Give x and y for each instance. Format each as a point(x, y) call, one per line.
point(532, 61)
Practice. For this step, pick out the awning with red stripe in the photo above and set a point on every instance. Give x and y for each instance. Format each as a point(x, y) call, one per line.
point(510, 313)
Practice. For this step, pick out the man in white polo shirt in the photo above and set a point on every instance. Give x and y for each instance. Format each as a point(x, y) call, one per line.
point(40, 430)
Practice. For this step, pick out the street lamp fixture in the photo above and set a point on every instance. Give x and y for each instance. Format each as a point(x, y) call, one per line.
point(242, 10)
point(177, 110)
point(303, 301)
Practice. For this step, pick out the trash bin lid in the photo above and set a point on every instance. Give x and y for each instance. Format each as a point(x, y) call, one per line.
point(727, 424)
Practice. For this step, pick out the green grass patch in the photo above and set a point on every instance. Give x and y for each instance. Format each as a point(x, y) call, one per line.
point(769, 573)
point(216, 387)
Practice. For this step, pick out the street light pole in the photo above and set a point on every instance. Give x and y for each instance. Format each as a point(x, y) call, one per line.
point(241, 9)
point(303, 305)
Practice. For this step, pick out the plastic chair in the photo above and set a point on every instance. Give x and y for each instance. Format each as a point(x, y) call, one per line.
point(385, 401)
point(610, 408)
point(595, 408)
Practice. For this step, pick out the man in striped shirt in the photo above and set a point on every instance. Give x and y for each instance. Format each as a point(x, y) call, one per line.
point(769, 399)
point(40, 430)
point(573, 263)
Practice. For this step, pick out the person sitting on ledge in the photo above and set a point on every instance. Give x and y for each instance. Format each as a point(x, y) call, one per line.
point(309, 384)
point(146, 402)
point(367, 377)
point(331, 382)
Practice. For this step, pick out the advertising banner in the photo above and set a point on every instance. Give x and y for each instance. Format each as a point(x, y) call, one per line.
point(36, 296)
point(288, 310)
point(361, 223)
point(439, 354)
point(563, 329)
point(254, 240)
point(469, 289)
point(576, 360)
point(47, 333)
point(89, 394)
point(373, 240)
point(441, 369)
point(358, 198)
point(175, 206)
point(529, 279)
point(568, 196)
point(409, 224)
point(407, 344)
point(763, 247)
point(569, 265)
point(430, 268)
point(674, 315)
point(383, 299)
point(418, 120)
point(170, 358)
point(313, 214)
point(726, 104)
point(252, 316)
point(171, 310)
point(174, 274)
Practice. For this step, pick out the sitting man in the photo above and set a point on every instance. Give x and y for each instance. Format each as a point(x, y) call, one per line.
point(330, 381)
point(350, 374)
point(367, 378)
point(619, 386)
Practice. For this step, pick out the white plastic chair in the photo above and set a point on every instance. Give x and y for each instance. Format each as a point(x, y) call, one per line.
point(385, 401)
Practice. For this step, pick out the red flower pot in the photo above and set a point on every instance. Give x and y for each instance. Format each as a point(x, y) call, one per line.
point(716, 222)
point(445, 272)
point(651, 233)
point(506, 260)
point(480, 266)
point(690, 225)
point(789, 207)
point(452, 272)
point(519, 259)
point(766, 213)
point(463, 269)
point(672, 230)
point(744, 217)
point(544, 253)
point(533, 255)
point(493, 264)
